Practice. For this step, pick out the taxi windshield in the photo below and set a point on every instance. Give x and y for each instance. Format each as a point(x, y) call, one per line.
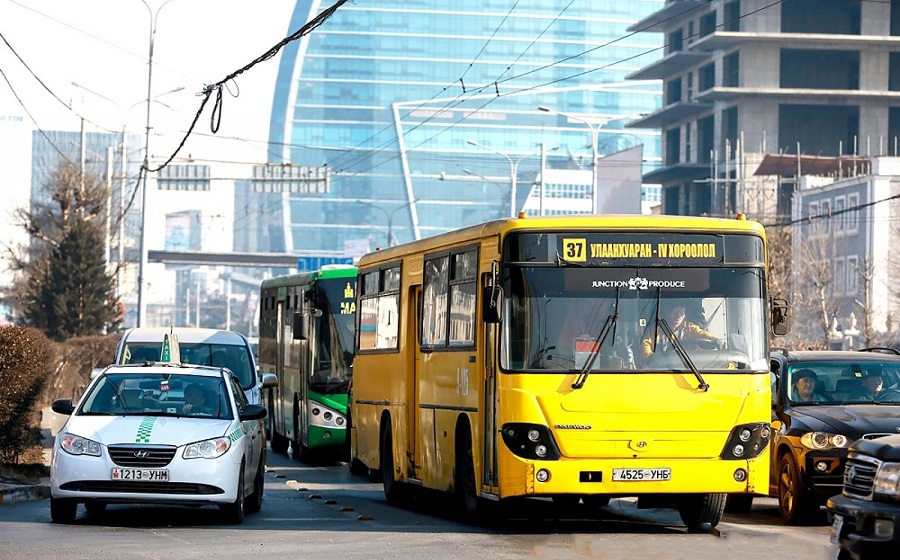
point(157, 394)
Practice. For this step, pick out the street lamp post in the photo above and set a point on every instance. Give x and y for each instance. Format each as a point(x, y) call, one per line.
point(513, 172)
point(595, 130)
point(142, 265)
point(389, 215)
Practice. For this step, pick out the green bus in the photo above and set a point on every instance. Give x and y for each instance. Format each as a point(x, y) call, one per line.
point(307, 325)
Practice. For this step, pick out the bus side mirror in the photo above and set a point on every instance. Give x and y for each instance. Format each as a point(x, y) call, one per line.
point(301, 328)
point(492, 296)
point(780, 319)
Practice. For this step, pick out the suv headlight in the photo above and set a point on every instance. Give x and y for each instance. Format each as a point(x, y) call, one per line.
point(77, 445)
point(823, 441)
point(207, 449)
point(887, 480)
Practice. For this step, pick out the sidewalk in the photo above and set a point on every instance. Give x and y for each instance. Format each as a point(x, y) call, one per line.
point(13, 491)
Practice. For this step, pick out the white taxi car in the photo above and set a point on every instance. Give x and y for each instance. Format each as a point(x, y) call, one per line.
point(159, 433)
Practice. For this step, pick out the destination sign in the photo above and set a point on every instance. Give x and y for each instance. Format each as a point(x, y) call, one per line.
point(634, 249)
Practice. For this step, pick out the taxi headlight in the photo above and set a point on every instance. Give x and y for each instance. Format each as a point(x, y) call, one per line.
point(207, 449)
point(887, 480)
point(823, 441)
point(77, 445)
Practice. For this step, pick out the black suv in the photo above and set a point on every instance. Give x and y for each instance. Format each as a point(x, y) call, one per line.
point(866, 516)
point(821, 404)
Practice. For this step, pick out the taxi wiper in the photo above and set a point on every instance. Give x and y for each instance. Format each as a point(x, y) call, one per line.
point(682, 353)
point(598, 345)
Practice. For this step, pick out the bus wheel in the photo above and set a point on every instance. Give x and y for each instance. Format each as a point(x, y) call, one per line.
point(393, 490)
point(466, 484)
point(357, 467)
point(701, 512)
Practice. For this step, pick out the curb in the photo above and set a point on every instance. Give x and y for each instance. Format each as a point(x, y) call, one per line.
point(17, 493)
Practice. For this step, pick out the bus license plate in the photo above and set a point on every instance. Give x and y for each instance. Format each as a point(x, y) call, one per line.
point(144, 475)
point(641, 475)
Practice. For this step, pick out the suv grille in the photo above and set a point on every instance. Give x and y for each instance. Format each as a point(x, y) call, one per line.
point(141, 455)
point(859, 476)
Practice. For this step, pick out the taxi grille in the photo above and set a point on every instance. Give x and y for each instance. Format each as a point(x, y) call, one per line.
point(141, 455)
point(859, 476)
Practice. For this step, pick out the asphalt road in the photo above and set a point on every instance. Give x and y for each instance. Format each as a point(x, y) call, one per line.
point(324, 512)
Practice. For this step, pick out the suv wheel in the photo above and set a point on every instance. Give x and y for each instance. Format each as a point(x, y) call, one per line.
point(795, 507)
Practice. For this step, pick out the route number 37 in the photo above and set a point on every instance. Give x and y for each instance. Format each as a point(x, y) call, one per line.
point(574, 249)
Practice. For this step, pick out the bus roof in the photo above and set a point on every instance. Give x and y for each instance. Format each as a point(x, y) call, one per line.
point(611, 222)
point(327, 272)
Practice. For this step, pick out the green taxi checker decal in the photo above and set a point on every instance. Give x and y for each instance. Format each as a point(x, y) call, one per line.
point(237, 434)
point(143, 433)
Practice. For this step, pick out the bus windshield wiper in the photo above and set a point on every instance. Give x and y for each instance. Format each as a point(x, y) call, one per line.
point(609, 325)
point(682, 353)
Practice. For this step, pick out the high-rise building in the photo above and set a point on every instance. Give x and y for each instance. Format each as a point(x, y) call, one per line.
point(425, 114)
point(744, 79)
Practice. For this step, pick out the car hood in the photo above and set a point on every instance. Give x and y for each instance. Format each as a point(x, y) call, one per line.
point(853, 421)
point(159, 430)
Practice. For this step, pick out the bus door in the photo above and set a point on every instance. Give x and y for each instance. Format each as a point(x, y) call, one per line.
point(280, 340)
point(489, 430)
point(416, 451)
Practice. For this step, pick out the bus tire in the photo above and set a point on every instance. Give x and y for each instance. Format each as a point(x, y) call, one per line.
point(701, 512)
point(466, 484)
point(393, 489)
point(357, 467)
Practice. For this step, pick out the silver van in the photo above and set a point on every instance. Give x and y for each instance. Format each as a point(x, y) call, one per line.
point(209, 347)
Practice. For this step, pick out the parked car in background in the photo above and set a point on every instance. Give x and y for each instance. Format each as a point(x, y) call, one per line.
point(212, 347)
point(820, 405)
point(866, 515)
point(161, 433)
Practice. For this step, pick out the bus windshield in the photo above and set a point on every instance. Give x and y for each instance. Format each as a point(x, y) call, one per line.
point(333, 362)
point(555, 317)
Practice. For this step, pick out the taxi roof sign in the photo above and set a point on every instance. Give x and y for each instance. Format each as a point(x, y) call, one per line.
point(171, 351)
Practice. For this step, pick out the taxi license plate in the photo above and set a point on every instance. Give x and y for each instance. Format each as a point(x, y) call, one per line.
point(836, 528)
point(642, 475)
point(143, 475)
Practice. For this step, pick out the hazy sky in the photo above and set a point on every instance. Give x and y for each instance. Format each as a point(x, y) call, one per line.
point(103, 46)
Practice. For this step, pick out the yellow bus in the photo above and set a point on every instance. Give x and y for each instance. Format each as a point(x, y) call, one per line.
point(546, 357)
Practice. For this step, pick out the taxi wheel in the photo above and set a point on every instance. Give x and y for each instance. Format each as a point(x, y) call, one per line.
point(234, 512)
point(794, 507)
point(254, 500)
point(62, 511)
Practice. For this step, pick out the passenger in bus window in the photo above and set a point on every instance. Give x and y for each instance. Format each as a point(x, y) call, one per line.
point(688, 332)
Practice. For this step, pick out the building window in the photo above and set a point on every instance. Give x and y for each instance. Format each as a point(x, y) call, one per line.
point(732, 15)
point(840, 204)
point(825, 210)
point(706, 77)
point(673, 146)
point(708, 24)
point(675, 41)
point(851, 218)
point(673, 91)
point(802, 69)
point(852, 275)
point(705, 139)
point(731, 70)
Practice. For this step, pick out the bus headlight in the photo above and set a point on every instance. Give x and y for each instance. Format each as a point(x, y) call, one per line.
point(746, 441)
point(530, 441)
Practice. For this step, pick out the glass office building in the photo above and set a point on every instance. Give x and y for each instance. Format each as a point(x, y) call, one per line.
point(426, 113)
